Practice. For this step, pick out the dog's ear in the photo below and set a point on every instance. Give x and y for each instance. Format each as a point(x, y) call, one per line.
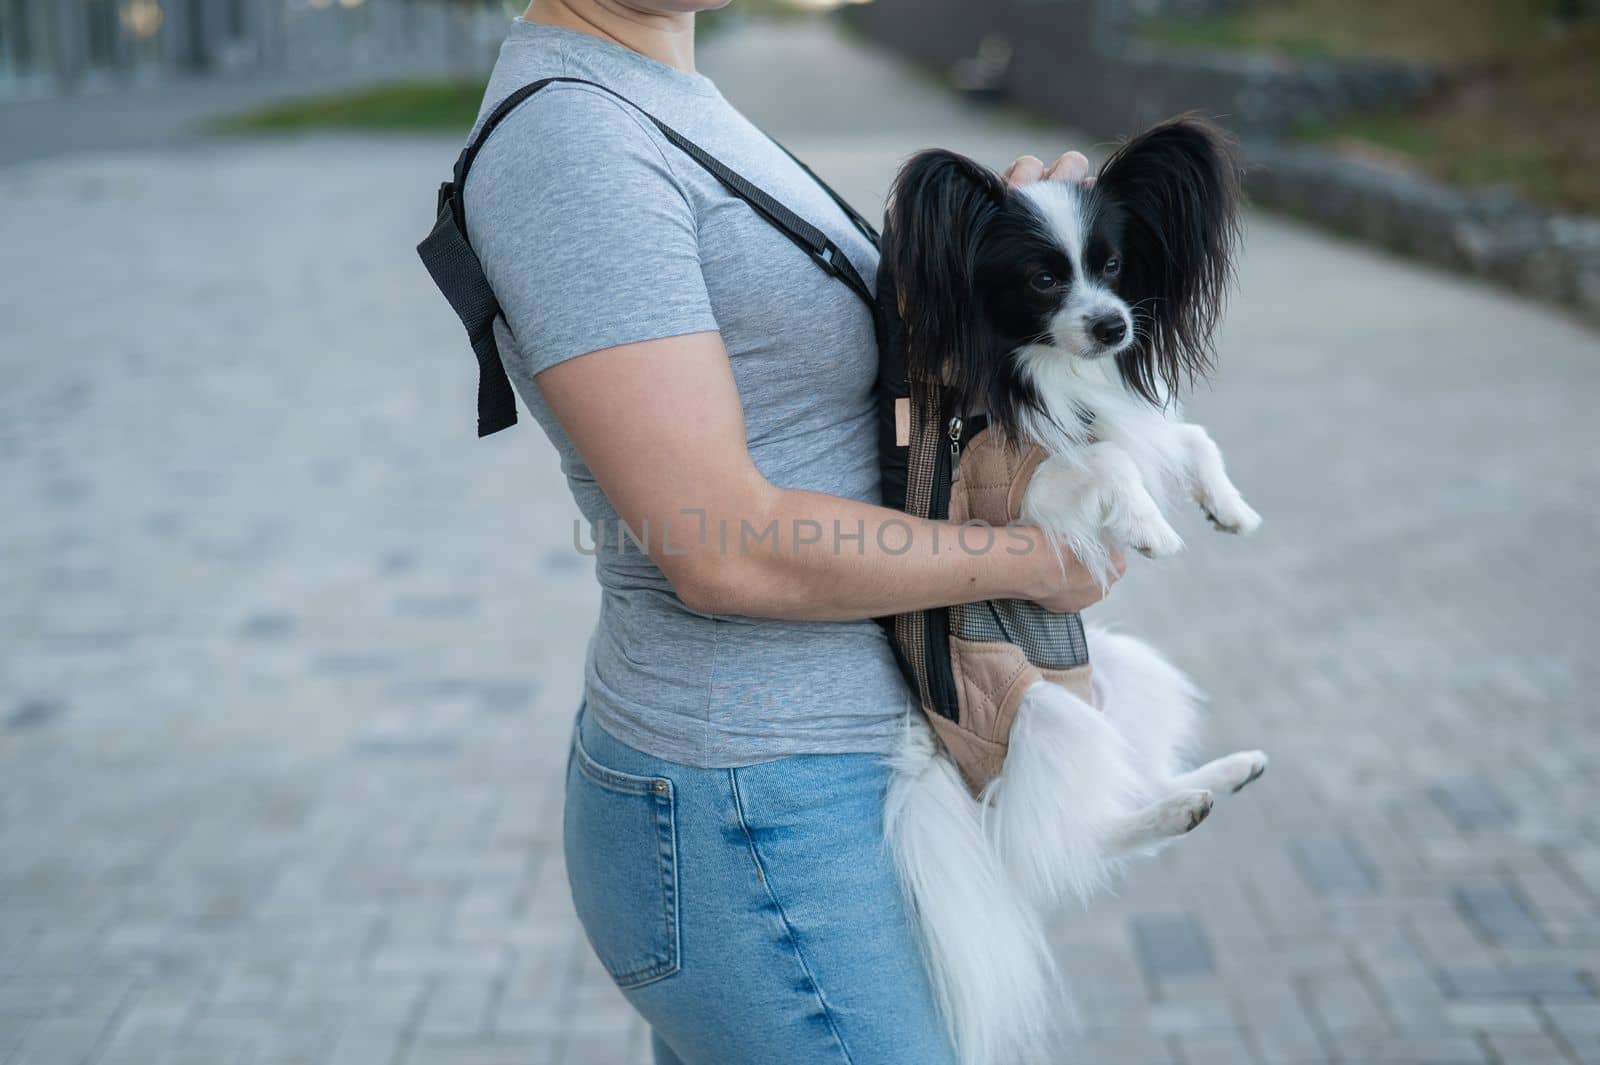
point(938, 206)
point(1177, 188)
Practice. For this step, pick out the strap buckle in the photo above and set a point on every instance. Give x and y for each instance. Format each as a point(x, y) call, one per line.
point(836, 264)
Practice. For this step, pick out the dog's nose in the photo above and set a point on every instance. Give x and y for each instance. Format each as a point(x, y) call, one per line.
point(1108, 329)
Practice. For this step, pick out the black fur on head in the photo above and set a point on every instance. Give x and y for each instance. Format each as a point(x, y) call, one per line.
point(945, 225)
point(1173, 193)
point(1137, 268)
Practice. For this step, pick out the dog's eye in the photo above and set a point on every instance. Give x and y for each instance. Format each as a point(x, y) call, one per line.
point(1112, 268)
point(1044, 281)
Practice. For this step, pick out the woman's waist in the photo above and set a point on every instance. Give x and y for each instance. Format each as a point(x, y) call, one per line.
point(648, 631)
point(744, 681)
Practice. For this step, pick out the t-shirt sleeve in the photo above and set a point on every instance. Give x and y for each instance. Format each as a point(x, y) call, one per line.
point(584, 231)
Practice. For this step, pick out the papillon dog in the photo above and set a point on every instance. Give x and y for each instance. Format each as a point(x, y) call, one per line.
point(1071, 316)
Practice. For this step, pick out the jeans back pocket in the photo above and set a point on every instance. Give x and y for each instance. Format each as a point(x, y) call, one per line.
point(621, 847)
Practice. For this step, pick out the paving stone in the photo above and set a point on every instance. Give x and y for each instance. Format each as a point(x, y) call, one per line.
point(506, 698)
point(503, 1052)
point(1216, 1049)
point(1522, 983)
point(1572, 1018)
point(407, 746)
point(1473, 803)
point(1513, 1017)
point(246, 992)
point(13, 1030)
point(59, 1041)
point(1142, 1048)
point(459, 1007)
point(1170, 945)
point(1500, 915)
point(1343, 1002)
point(1424, 1050)
point(288, 658)
point(1185, 1017)
point(1530, 1049)
point(396, 563)
point(34, 713)
point(1276, 1018)
point(267, 626)
point(436, 606)
point(458, 960)
point(1335, 866)
point(368, 1046)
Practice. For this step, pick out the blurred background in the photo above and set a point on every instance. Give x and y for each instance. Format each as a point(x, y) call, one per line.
point(288, 657)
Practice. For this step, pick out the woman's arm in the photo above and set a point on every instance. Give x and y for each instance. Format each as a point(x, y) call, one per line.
point(660, 426)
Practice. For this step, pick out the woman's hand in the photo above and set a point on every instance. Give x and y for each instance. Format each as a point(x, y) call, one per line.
point(1071, 166)
point(1077, 590)
point(1059, 582)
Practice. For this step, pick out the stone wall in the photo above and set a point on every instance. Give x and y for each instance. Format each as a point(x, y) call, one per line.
point(1080, 61)
point(933, 32)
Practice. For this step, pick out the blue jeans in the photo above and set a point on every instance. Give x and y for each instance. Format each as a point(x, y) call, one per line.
point(751, 915)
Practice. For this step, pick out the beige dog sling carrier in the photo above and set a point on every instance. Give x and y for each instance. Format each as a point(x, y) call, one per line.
point(969, 664)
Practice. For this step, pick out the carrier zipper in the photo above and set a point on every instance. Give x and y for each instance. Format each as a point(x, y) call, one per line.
point(936, 652)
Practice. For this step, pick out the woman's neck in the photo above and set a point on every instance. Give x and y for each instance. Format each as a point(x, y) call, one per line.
point(666, 38)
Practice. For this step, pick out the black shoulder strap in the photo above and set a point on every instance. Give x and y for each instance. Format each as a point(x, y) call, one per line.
point(864, 227)
point(455, 268)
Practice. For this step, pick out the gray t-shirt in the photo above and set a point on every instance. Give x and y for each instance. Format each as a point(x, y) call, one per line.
point(594, 232)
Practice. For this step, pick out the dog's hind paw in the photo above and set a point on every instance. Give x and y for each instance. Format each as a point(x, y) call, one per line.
point(1161, 821)
point(1198, 811)
point(1227, 774)
point(1182, 813)
point(1255, 772)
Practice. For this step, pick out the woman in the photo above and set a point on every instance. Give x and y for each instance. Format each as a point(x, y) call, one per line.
point(707, 385)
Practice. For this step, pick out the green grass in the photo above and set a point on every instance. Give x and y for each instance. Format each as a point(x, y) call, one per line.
point(422, 106)
point(1451, 31)
point(435, 105)
point(1520, 107)
point(1232, 34)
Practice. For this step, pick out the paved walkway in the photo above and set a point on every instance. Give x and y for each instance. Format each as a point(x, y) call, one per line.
point(287, 657)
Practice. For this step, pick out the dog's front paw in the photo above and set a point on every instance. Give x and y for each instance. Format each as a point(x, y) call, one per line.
point(1227, 774)
point(1234, 516)
point(1152, 537)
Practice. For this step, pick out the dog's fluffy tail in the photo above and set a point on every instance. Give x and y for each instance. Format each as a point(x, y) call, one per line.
point(1069, 778)
point(986, 955)
point(1149, 701)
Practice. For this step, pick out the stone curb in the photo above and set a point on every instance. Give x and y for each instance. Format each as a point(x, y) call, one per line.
point(1492, 234)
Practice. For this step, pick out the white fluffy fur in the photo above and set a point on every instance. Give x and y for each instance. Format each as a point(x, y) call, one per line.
point(1069, 776)
point(984, 945)
point(1149, 701)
